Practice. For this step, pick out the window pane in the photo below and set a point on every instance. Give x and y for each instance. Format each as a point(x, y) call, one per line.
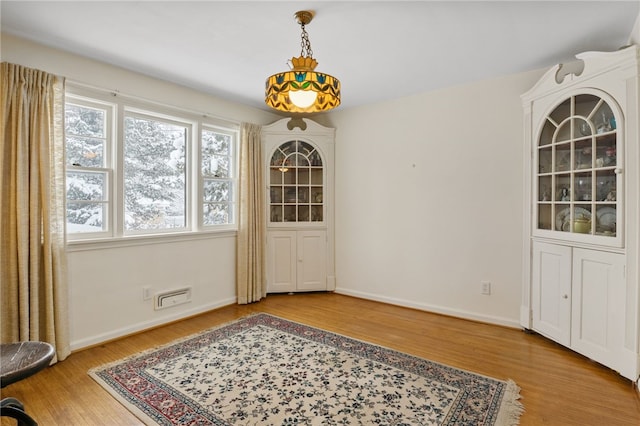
point(88, 186)
point(84, 121)
point(85, 152)
point(216, 190)
point(85, 130)
point(154, 174)
point(216, 154)
point(217, 213)
point(86, 201)
point(86, 217)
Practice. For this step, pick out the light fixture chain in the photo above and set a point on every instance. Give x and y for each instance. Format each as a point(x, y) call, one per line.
point(305, 43)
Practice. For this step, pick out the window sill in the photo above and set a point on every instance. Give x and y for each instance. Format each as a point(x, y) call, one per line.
point(142, 240)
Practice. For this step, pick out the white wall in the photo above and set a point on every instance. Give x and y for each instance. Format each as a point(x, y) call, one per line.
point(106, 283)
point(429, 199)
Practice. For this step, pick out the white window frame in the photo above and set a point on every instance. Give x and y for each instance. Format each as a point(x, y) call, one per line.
point(233, 176)
point(111, 112)
point(189, 142)
point(123, 105)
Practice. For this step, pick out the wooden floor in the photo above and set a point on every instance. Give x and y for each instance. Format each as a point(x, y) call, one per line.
point(559, 387)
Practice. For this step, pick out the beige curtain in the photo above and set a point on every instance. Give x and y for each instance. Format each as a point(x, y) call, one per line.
point(250, 263)
point(32, 214)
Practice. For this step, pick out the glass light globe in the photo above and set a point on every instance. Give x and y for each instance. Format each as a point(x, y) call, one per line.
point(303, 98)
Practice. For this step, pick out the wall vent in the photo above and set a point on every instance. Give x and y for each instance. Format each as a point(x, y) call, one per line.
point(171, 298)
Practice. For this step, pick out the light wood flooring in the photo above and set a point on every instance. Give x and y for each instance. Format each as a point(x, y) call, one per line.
point(559, 387)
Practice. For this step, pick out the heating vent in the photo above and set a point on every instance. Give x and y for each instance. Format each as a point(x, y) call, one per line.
point(171, 298)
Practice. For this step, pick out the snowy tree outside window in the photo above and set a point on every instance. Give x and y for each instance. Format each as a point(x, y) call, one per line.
point(216, 173)
point(154, 174)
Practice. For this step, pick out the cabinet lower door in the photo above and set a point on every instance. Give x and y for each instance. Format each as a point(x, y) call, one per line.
point(551, 290)
point(598, 323)
point(281, 261)
point(312, 260)
point(296, 261)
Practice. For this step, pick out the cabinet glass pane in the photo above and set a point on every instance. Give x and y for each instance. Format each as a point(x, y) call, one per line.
point(303, 194)
point(544, 160)
point(546, 136)
point(583, 158)
point(604, 120)
point(544, 188)
point(275, 176)
point(606, 185)
point(289, 213)
point(585, 105)
point(316, 194)
point(303, 213)
point(289, 176)
point(563, 157)
point(303, 175)
point(564, 131)
point(563, 187)
point(582, 186)
point(544, 216)
point(576, 171)
point(290, 195)
point(606, 151)
point(296, 182)
point(276, 194)
point(275, 213)
point(316, 213)
point(561, 112)
point(582, 219)
point(606, 219)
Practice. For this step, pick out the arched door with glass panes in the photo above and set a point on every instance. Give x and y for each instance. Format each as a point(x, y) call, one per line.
point(296, 184)
point(578, 174)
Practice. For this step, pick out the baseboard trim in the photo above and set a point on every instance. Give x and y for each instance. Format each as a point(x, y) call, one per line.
point(506, 322)
point(147, 325)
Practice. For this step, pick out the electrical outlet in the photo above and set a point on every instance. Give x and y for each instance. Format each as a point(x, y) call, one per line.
point(485, 287)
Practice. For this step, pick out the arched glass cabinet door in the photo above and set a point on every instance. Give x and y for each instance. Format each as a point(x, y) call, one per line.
point(578, 169)
point(296, 184)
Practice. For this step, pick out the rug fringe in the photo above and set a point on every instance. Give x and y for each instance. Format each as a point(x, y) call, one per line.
point(510, 408)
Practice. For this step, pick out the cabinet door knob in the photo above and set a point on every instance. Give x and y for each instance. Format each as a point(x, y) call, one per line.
point(565, 296)
point(617, 170)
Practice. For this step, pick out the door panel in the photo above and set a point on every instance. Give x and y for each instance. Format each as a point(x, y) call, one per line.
point(599, 299)
point(312, 267)
point(281, 262)
point(551, 290)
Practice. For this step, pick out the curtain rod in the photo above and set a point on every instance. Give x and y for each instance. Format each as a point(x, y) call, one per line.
point(117, 93)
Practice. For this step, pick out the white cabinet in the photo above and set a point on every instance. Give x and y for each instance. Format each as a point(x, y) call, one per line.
point(296, 261)
point(299, 206)
point(578, 297)
point(582, 182)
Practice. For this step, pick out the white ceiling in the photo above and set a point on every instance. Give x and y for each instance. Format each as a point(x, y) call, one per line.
point(379, 50)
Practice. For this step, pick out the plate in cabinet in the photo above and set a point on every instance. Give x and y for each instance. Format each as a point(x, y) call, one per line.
point(606, 218)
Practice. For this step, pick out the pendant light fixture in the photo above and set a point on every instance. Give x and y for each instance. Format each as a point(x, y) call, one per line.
point(301, 89)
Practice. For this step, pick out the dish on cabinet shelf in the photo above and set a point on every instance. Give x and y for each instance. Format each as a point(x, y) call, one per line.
point(563, 217)
point(606, 218)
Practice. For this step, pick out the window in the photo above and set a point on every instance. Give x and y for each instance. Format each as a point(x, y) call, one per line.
point(135, 169)
point(155, 181)
point(217, 164)
point(88, 141)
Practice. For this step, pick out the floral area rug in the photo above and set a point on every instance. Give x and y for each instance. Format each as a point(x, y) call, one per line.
point(265, 370)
